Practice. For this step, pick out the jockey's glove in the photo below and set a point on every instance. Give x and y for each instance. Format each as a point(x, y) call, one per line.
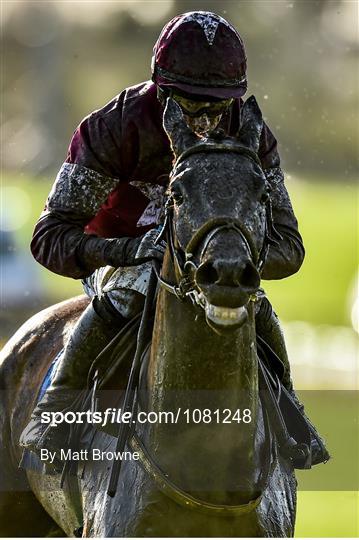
point(134, 251)
point(95, 252)
point(149, 248)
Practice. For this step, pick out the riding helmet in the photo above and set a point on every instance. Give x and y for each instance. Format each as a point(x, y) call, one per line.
point(200, 53)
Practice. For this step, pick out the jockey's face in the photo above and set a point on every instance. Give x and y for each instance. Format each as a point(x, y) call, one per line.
point(201, 113)
point(203, 124)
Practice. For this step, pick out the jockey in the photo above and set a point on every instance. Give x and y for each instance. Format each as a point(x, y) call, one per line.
point(100, 219)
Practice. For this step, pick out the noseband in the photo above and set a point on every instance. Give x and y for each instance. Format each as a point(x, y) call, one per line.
point(183, 258)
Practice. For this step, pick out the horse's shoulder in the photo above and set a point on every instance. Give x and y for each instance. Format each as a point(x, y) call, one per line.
point(44, 331)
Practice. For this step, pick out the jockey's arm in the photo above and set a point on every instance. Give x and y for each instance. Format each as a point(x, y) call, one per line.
point(91, 172)
point(81, 187)
point(59, 238)
point(287, 257)
point(60, 244)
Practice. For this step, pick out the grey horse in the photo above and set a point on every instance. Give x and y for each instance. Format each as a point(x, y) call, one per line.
point(214, 469)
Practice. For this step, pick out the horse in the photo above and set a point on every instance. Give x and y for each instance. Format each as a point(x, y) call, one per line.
point(214, 468)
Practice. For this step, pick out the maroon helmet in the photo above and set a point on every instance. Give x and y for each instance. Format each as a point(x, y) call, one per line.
point(200, 53)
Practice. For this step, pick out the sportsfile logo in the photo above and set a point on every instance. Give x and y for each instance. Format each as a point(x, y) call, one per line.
point(117, 416)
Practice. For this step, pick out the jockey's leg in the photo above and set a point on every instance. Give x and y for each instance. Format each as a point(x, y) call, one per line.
point(98, 324)
point(269, 329)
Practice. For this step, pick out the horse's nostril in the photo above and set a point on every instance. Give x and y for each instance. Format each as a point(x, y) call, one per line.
point(250, 276)
point(228, 274)
point(206, 274)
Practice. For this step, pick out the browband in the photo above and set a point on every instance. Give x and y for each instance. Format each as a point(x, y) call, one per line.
point(218, 147)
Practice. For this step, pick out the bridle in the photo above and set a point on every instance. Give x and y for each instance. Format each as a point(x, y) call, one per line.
point(183, 258)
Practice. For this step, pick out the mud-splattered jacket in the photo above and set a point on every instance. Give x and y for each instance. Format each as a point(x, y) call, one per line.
point(113, 181)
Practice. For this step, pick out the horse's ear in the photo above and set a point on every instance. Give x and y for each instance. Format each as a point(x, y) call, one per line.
point(180, 135)
point(251, 124)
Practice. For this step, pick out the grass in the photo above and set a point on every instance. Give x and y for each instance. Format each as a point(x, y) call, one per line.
point(328, 514)
point(320, 292)
point(328, 496)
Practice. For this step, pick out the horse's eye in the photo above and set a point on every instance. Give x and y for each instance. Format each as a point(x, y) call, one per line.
point(177, 196)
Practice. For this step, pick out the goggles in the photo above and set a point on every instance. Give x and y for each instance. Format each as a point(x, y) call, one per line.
point(197, 108)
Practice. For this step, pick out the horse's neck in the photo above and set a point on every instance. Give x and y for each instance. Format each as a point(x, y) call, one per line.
point(191, 369)
point(188, 354)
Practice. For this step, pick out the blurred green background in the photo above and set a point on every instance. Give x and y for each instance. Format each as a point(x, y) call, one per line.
point(61, 60)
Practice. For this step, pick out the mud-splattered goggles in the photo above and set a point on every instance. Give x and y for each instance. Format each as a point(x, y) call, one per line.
point(197, 108)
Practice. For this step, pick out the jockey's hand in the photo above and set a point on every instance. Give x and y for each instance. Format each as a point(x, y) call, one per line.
point(148, 248)
point(135, 251)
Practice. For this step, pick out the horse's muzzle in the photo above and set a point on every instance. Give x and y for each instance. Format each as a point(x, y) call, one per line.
point(227, 283)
